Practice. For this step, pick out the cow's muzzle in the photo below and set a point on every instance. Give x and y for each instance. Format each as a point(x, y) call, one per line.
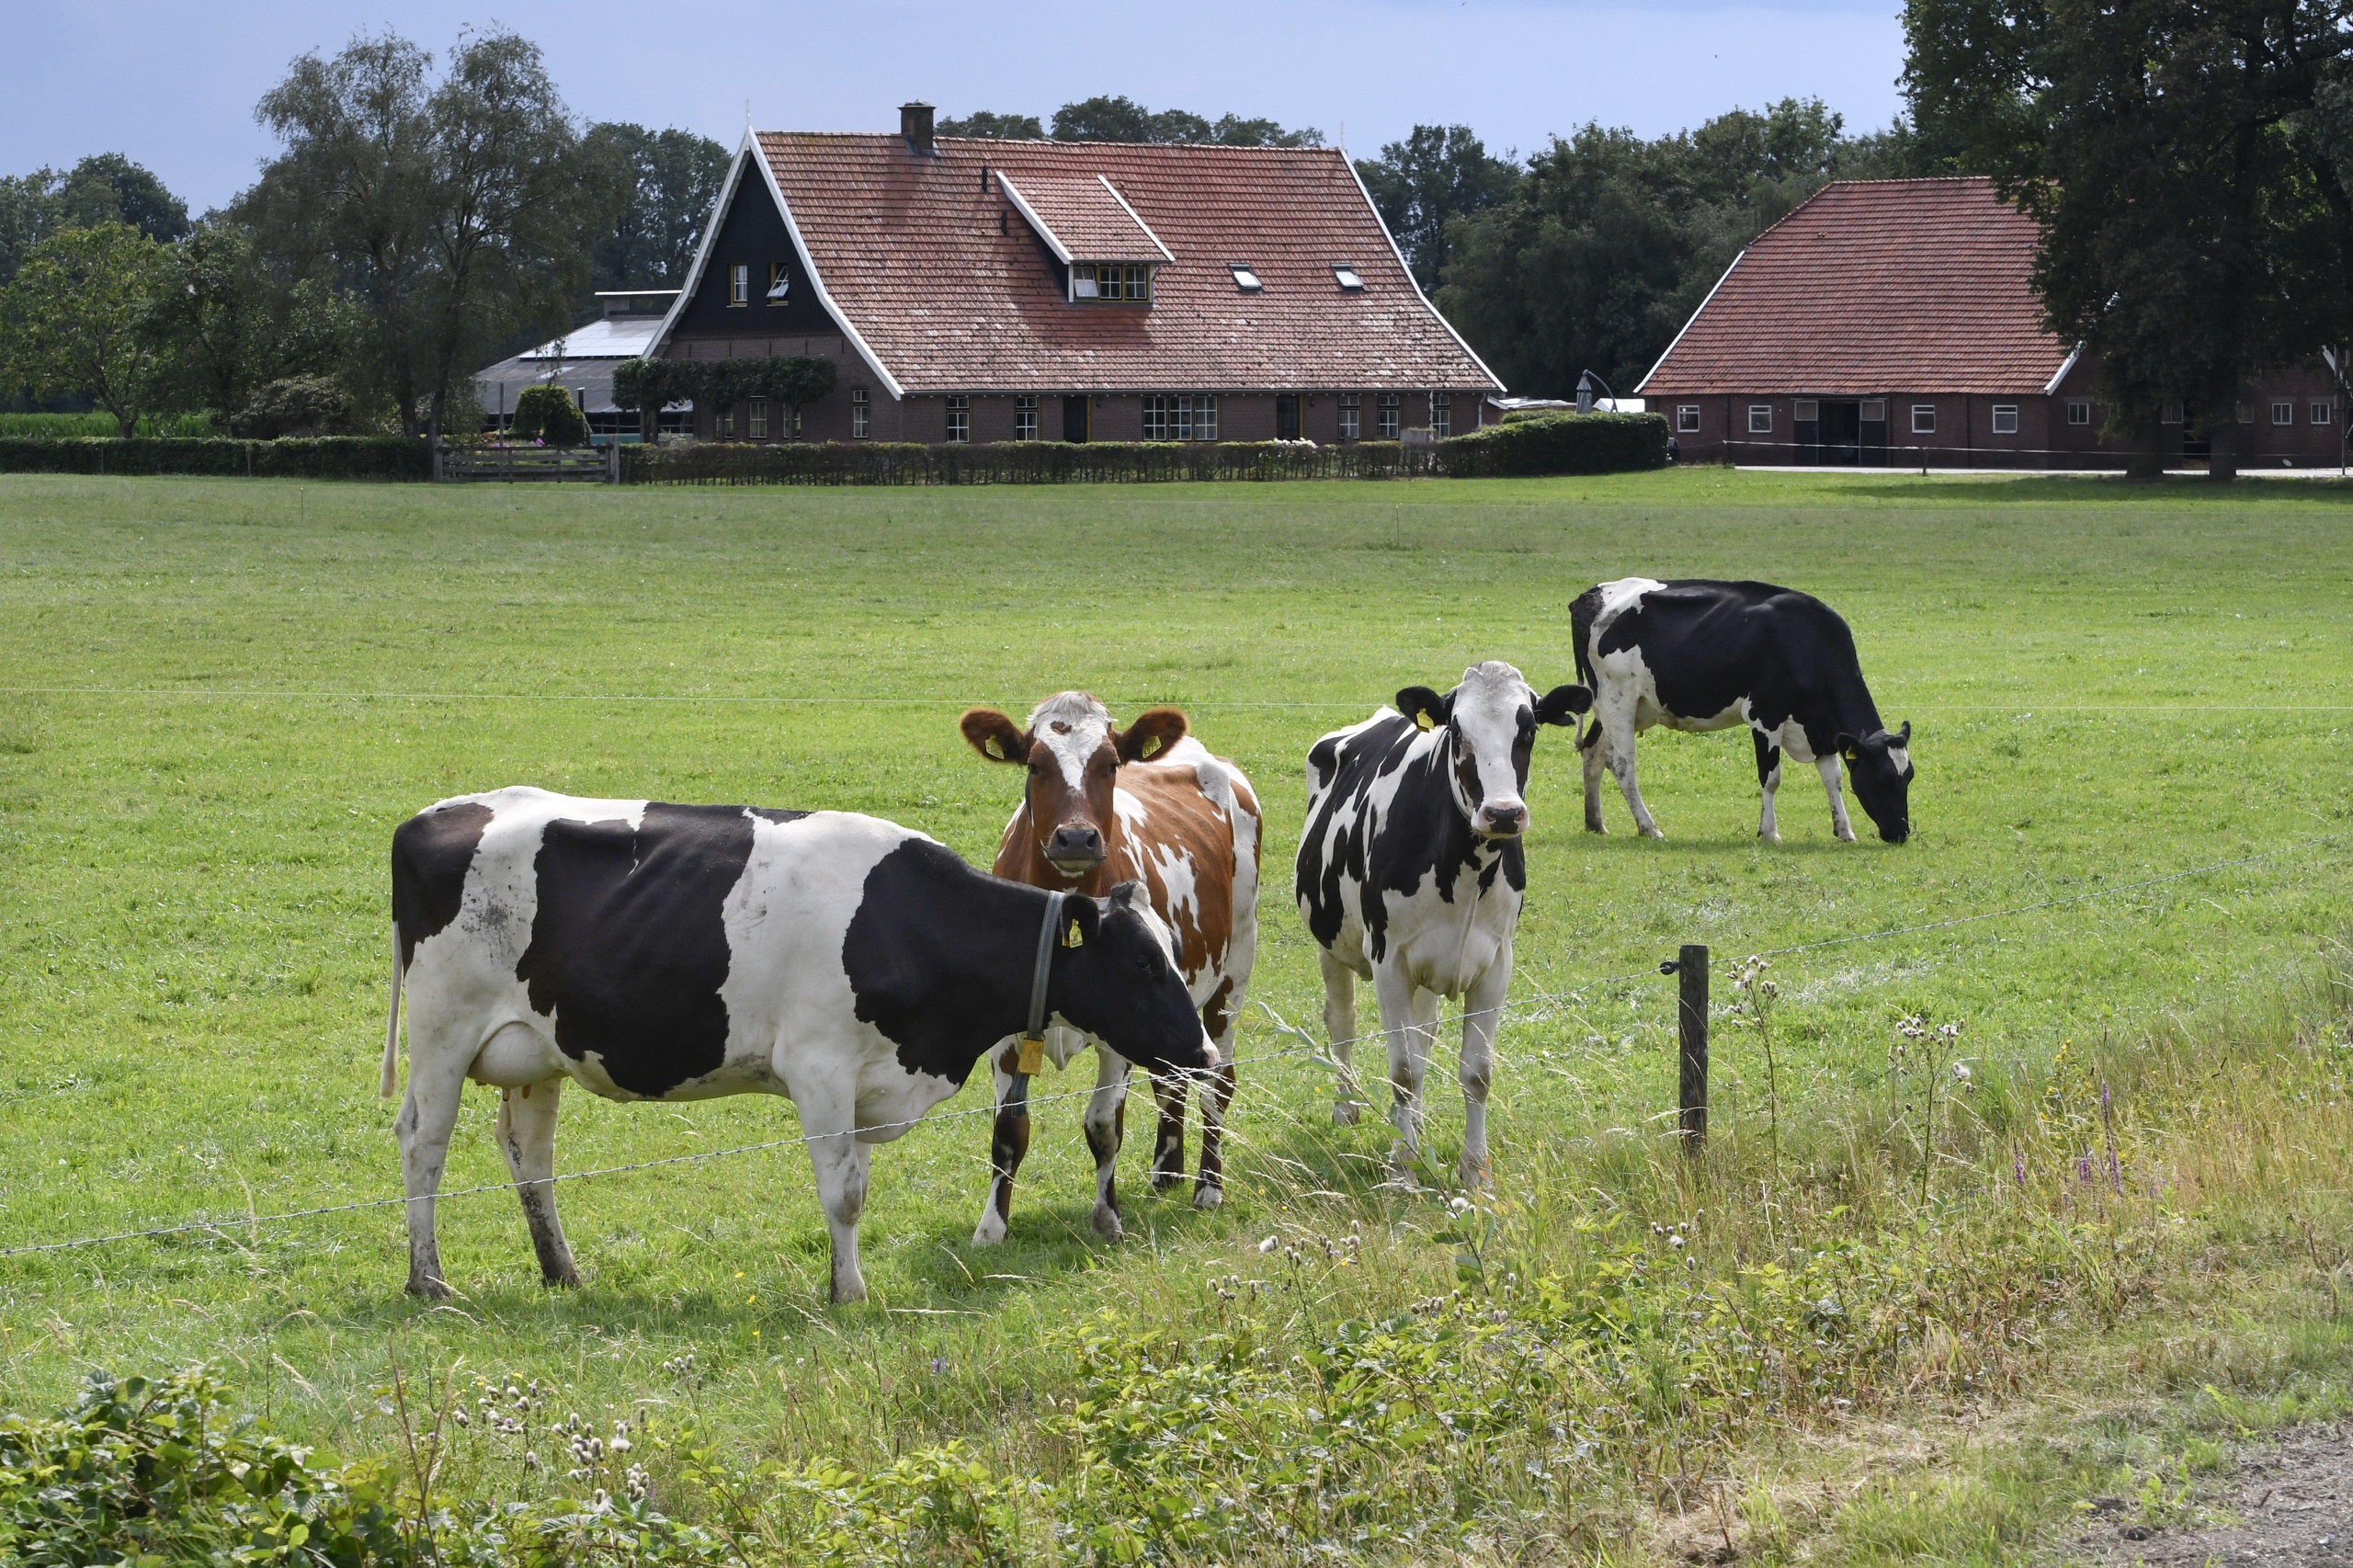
point(1500, 822)
point(1074, 848)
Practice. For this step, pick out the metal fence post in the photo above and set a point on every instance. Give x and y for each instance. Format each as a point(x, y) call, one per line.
point(1690, 969)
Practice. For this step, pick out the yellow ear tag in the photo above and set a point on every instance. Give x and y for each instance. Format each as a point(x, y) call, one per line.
point(1422, 720)
point(1151, 744)
point(994, 749)
point(1030, 1056)
point(1853, 756)
point(1074, 939)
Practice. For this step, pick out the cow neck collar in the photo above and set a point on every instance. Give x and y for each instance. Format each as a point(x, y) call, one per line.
point(1044, 965)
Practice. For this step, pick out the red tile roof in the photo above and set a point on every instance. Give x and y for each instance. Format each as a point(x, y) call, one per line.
point(1874, 286)
point(950, 289)
point(1085, 218)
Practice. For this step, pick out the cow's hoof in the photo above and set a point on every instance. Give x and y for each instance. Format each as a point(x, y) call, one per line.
point(1768, 837)
point(990, 1230)
point(1593, 824)
point(1162, 1180)
point(1347, 1113)
point(430, 1287)
point(850, 1292)
point(1208, 1196)
point(1653, 833)
point(1106, 1220)
point(569, 1280)
point(1846, 838)
point(1474, 1173)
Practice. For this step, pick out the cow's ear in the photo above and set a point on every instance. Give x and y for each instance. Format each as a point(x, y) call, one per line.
point(1563, 704)
point(994, 735)
point(1154, 731)
point(1082, 921)
point(1426, 708)
point(1903, 736)
point(1849, 747)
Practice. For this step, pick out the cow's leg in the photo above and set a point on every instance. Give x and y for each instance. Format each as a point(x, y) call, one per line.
point(436, 1081)
point(1594, 748)
point(1107, 1126)
point(1340, 1031)
point(828, 1123)
point(1620, 739)
point(526, 1133)
point(1409, 1019)
point(1769, 778)
point(1483, 1011)
point(1216, 1094)
point(1168, 1145)
point(1830, 777)
point(1008, 1142)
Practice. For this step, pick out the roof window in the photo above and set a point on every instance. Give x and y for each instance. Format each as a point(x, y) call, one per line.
point(1351, 281)
point(1245, 278)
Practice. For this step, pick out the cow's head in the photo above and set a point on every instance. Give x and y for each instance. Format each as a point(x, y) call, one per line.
point(1115, 976)
point(1492, 719)
point(1072, 755)
point(1880, 764)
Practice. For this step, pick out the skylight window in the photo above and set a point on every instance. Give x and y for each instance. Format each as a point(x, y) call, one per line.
point(1351, 281)
point(1247, 278)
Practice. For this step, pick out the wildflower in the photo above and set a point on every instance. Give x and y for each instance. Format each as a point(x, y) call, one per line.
point(1267, 1245)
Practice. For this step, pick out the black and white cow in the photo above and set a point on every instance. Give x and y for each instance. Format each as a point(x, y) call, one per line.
point(1696, 654)
point(658, 953)
point(1411, 873)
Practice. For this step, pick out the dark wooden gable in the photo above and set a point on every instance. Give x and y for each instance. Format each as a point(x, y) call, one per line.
point(753, 235)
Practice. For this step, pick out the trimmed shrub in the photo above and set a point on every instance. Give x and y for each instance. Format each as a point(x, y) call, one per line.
point(326, 457)
point(1557, 443)
point(297, 405)
point(1012, 462)
point(545, 413)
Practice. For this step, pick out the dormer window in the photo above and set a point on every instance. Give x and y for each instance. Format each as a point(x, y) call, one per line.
point(1351, 280)
point(779, 283)
point(1247, 278)
point(1104, 282)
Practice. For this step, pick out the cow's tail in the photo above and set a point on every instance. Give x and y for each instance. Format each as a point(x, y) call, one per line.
point(1582, 613)
point(391, 1076)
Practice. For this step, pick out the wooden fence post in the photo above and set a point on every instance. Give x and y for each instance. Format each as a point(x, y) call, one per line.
point(1692, 1018)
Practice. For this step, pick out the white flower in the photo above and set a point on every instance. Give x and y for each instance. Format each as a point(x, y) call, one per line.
point(1267, 1245)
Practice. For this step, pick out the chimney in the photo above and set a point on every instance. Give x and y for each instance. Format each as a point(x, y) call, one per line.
point(914, 124)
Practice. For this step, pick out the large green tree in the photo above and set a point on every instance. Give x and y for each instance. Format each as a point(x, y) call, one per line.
point(668, 182)
point(105, 188)
point(1121, 119)
point(1440, 173)
point(2187, 163)
point(75, 321)
point(233, 321)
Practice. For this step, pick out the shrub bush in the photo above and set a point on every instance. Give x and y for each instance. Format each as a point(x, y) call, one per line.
point(545, 413)
point(328, 457)
point(1557, 443)
point(297, 405)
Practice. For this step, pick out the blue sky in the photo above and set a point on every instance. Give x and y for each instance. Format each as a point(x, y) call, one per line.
point(174, 85)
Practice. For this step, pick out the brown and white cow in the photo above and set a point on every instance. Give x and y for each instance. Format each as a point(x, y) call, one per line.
point(1103, 806)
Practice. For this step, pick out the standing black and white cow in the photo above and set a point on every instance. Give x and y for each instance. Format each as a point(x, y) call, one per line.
point(658, 953)
point(1411, 873)
point(1696, 654)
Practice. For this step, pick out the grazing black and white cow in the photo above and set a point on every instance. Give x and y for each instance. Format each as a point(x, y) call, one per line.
point(658, 953)
point(1411, 872)
point(1696, 654)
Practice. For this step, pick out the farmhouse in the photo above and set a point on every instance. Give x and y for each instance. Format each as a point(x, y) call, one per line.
point(1895, 322)
point(974, 290)
point(582, 362)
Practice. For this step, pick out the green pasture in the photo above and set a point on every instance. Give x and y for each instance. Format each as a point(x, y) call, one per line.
point(218, 698)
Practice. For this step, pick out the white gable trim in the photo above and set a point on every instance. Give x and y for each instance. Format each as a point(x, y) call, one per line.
point(1412, 281)
point(1136, 218)
point(2052, 384)
point(1645, 381)
point(750, 149)
point(1030, 215)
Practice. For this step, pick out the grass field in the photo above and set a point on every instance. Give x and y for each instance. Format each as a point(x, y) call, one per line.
point(216, 700)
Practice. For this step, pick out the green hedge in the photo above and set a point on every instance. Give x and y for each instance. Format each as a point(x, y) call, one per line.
point(324, 457)
point(1558, 443)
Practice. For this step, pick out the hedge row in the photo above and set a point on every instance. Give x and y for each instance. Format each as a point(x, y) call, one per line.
point(324, 457)
point(1599, 443)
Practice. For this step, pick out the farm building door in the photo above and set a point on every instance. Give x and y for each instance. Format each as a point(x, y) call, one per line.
point(1842, 433)
point(1075, 419)
point(1286, 417)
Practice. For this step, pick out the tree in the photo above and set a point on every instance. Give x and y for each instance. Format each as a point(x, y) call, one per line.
point(106, 187)
point(1000, 127)
point(667, 182)
point(2182, 163)
point(231, 324)
point(1440, 173)
point(650, 386)
point(545, 413)
point(1107, 119)
point(77, 319)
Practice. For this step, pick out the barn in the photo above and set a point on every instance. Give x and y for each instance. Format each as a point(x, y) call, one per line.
point(975, 289)
point(1894, 323)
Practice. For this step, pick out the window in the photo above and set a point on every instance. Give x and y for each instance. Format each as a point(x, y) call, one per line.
point(1760, 418)
point(2320, 411)
point(1873, 413)
point(1807, 411)
point(1025, 418)
point(1386, 407)
point(779, 283)
point(1179, 416)
point(1205, 419)
point(1247, 278)
point(2247, 412)
point(960, 418)
point(1109, 280)
point(2079, 411)
point(1286, 416)
point(756, 426)
point(1351, 415)
point(739, 284)
point(2173, 414)
point(1351, 281)
point(2006, 419)
point(1687, 418)
point(1923, 419)
point(723, 423)
point(2283, 411)
point(861, 414)
point(1441, 415)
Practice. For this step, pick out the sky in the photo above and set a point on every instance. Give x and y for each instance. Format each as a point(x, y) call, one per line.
point(172, 85)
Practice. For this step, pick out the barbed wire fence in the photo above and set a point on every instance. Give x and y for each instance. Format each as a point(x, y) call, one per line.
point(1529, 1005)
